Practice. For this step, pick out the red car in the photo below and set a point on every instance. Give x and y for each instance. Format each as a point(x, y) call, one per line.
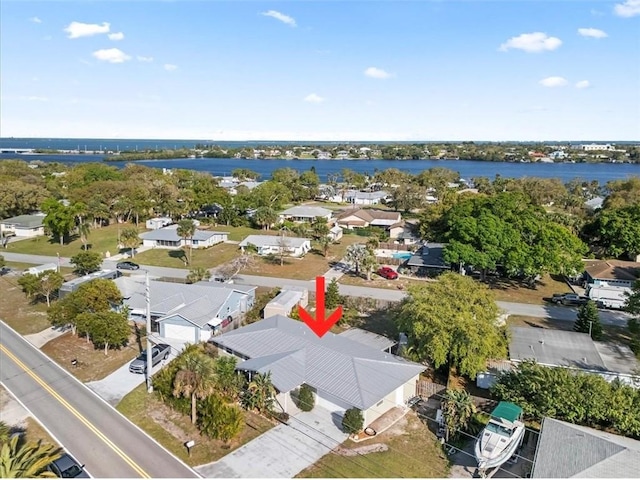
point(388, 273)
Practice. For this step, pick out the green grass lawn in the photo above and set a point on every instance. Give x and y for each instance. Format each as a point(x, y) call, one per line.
point(18, 312)
point(206, 258)
point(100, 240)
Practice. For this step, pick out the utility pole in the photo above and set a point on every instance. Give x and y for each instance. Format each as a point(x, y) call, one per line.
point(590, 325)
point(149, 347)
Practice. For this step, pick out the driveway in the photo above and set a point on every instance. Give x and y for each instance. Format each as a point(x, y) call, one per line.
point(282, 452)
point(115, 386)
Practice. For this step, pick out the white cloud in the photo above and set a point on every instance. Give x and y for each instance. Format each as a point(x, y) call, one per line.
point(140, 58)
point(78, 29)
point(111, 55)
point(170, 67)
point(628, 8)
point(531, 42)
point(375, 72)
point(280, 16)
point(553, 82)
point(592, 32)
point(313, 98)
point(35, 20)
point(35, 98)
point(583, 84)
point(116, 36)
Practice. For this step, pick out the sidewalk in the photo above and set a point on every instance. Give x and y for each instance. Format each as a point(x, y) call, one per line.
point(337, 271)
point(41, 338)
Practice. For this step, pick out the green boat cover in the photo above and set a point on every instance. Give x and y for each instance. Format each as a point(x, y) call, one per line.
point(508, 411)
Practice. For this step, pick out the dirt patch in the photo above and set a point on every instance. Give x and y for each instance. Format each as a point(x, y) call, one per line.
point(19, 313)
point(352, 452)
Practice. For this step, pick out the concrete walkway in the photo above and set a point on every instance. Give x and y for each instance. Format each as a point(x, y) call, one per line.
point(337, 271)
point(41, 338)
point(282, 452)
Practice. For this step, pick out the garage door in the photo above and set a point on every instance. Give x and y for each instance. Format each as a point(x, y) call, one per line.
point(330, 403)
point(180, 332)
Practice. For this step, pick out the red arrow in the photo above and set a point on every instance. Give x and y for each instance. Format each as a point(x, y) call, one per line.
point(320, 325)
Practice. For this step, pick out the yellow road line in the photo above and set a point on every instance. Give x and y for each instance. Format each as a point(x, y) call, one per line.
point(77, 414)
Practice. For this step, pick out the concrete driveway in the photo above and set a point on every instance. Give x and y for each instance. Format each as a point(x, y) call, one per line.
point(282, 452)
point(115, 386)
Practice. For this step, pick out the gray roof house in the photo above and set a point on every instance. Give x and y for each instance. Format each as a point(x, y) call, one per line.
point(191, 313)
point(571, 451)
point(343, 372)
point(167, 237)
point(303, 213)
point(289, 298)
point(23, 226)
point(271, 244)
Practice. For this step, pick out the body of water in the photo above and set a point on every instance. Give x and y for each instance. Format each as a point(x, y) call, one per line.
point(602, 172)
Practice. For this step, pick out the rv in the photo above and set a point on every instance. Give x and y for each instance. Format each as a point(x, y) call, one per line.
point(609, 297)
point(73, 285)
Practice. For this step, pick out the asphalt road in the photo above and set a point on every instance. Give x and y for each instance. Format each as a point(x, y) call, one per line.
point(608, 317)
point(90, 429)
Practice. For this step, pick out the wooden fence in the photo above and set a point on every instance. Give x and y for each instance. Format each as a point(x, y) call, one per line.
point(427, 389)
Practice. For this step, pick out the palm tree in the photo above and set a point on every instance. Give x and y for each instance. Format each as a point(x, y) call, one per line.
point(129, 238)
point(195, 378)
point(198, 274)
point(260, 393)
point(84, 229)
point(323, 243)
point(5, 432)
point(27, 460)
point(458, 410)
point(186, 229)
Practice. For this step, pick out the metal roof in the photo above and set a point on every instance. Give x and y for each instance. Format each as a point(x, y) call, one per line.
point(566, 451)
point(287, 299)
point(351, 371)
point(273, 240)
point(170, 234)
point(366, 337)
point(554, 347)
point(429, 255)
point(24, 221)
point(305, 211)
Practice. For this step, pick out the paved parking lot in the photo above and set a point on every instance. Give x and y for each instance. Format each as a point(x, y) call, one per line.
point(282, 452)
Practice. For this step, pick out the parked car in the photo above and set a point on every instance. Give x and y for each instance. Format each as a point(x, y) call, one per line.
point(67, 467)
point(388, 273)
point(569, 299)
point(127, 266)
point(160, 352)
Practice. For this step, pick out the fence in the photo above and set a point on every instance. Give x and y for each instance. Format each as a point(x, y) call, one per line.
point(395, 246)
point(427, 389)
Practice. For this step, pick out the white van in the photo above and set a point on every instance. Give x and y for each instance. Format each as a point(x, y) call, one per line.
point(41, 268)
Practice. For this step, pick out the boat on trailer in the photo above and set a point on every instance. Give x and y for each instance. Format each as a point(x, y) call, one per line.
point(502, 436)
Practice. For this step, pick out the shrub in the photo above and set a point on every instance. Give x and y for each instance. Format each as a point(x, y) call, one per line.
point(306, 401)
point(280, 416)
point(353, 421)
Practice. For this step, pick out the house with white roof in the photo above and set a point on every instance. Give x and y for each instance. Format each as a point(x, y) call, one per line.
point(289, 298)
point(191, 313)
point(304, 213)
point(23, 226)
point(167, 237)
point(272, 244)
point(342, 372)
point(365, 198)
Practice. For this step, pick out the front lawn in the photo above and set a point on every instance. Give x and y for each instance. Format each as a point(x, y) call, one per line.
point(171, 429)
point(92, 363)
point(412, 451)
point(18, 312)
point(206, 258)
point(507, 290)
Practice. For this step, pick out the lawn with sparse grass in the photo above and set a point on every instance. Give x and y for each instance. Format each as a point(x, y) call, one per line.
point(102, 240)
point(507, 290)
point(35, 432)
point(172, 429)
point(18, 311)
point(93, 364)
point(205, 258)
point(413, 452)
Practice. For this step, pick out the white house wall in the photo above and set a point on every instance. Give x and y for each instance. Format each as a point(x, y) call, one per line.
point(29, 232)
point(331, 403)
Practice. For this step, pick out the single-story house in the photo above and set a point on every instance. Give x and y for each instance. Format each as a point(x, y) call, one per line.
point(362, 218)
point(379, 342)
point(158, 222)
point(594, 204)
point(289, 298)
point(365, 198)
point(272, 244)
point(303, 213)
point(342, 372)
point(192, 313)
point(428, 260)
point(613, 273)
point(403, 232)
point(335, 233)
point(23, 226)
point(167, 237)
point(565, 450)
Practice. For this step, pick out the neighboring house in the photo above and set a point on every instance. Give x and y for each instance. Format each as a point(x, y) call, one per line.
point(335, 233)
point(289, 298)
point(168, 237)
point(272, 244)
point(379, 342)
point(185, 312)
point(565, 450)
point(73, 285)
point(428, 260)
point(613, 273)
point(158, 222)
point(403, 232)
point(362, 218)
point(343, 373)
point(365, 198)
point(303, 213)
point(23, 226)
point(594, 204)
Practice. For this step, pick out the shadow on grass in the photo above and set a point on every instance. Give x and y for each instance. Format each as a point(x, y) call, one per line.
point(179, 254)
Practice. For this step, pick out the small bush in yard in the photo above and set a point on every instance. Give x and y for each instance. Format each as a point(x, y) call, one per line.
point(353, 421)
point(306, 402)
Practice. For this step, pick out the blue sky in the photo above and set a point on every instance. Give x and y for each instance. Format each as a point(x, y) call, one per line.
point(329, 70)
